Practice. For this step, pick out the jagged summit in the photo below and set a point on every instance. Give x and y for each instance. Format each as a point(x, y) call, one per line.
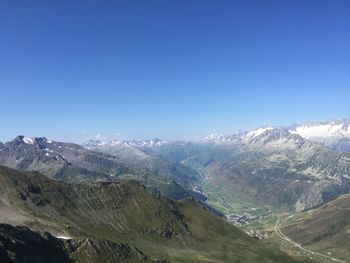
point(31, 141)
point(277, 137)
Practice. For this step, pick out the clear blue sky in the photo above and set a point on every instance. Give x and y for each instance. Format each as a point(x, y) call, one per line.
point(170, 69)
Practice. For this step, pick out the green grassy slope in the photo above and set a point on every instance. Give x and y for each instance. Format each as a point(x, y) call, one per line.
point(325, 229)
point(125, 212)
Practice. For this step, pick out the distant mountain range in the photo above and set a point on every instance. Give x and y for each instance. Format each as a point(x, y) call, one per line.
point(74, 163)
point(270, 166)
point(333, 134)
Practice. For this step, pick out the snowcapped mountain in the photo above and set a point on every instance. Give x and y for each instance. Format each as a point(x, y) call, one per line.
point(325, 132)
point(330, 133)
point(333, 134)
point(273, 138)
point(263, 136)
point(93, 144)
point(255, 133)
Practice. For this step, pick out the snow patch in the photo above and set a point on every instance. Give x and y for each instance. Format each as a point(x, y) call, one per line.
point(258, 132)
point(63, 237)
point(28, 140)
point(321, 132)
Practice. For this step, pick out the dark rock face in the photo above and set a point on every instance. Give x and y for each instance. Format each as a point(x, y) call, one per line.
point(20, 244)
point(97, 250)
point(168, 233)
point(34, 189)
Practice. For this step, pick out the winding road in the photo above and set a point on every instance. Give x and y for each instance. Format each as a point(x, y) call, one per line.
point(309, 253)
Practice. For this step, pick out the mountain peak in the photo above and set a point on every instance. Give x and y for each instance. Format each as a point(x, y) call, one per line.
point(258, 132)
point(22, 139)
point(274, 137)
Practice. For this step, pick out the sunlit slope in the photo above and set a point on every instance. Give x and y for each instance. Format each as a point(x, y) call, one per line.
point(126, 212)
point(325, 229)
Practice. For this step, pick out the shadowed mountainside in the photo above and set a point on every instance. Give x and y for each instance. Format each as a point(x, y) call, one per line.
point(20, 244)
